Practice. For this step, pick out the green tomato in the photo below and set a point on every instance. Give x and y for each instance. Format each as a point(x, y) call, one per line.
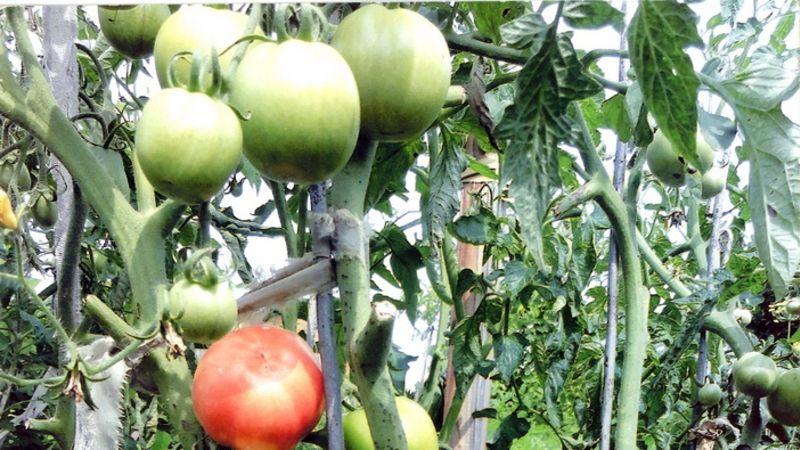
point(203, 313)
point(8, 169)
point(132, 31)
point(304, 108)
point(710, 394)
point(402, 66)
point(187, 144)
point(713, 182)
point(45, 212)
point(784, 402)
point(793, 306)
point(704, 153)
point(664, 163)
point(743, 316)
point(755, 374)
point(196, 28)
point(417, 425)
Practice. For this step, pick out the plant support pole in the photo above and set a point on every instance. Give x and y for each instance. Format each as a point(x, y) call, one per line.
point(610, 365)
point(321, 227)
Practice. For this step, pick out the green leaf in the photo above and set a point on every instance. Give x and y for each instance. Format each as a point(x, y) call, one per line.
point(535, 124)
point(719, 131)
point(511, 428)
point(657, 36)
point(763, 84)
point(490, 16)
point(405, 260)
point(508, 352)
point(444, 180)
point(528, 31)
point(778, 38)
point(615, 115)
point(772, 144)
point(388, 176)
point(475, 229)
point(592, 14)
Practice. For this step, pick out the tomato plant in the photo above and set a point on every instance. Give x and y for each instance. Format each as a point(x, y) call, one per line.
point(450, 202)
point(420, 431)
point(188, 144)
point(258, 387)
point(303, 106)
point(402, 66)
point(132, 30)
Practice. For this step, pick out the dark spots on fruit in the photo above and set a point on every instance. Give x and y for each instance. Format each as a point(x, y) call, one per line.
point(677, 176)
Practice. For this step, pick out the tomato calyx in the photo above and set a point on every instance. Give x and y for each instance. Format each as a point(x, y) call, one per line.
point(310, 26)
point(200, 269)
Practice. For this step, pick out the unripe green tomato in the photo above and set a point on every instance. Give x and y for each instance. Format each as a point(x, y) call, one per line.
point(196, 28)
point(709, 394)
point(132, 31)
point(401, 63)
point(743, 316)
point(204, 313)
point(664, 162)
point(755, 374)
point(45, 212)
point(417, 425)
point(713, 182)
point(304, 108)
point(793, 306)
point(704, 153)
point(784, 402)
point(187, 144)
point(7, 170)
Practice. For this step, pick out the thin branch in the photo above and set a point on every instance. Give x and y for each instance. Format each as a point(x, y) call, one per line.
point(463, 42)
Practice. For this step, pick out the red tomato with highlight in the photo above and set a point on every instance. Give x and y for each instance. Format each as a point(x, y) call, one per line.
point(257, 388)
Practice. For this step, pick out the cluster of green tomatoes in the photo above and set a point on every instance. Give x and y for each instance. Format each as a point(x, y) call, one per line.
point(295, 109)
point(671, 169)
point(757, 375)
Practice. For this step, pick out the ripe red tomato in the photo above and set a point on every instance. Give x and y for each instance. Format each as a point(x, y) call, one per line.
point(258, 387)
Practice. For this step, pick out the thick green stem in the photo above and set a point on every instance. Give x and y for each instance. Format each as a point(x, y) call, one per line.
point(113, 324)
point(61, 426)
point(174, 382)
point(753, 426)
point(637, 303)
point(145, 194)
point(722, 323)
point(449, 265)
point(374, 385)
point(696, 242)
point(636, 296)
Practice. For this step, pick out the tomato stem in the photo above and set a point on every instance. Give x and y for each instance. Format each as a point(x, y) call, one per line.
point(352, 271)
